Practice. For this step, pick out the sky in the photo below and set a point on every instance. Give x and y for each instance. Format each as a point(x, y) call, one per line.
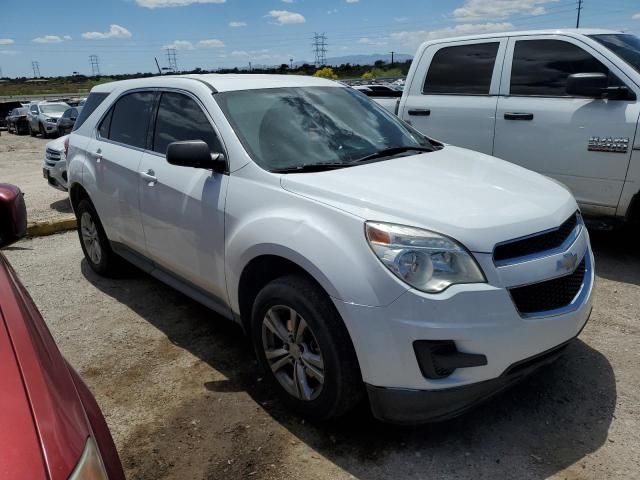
point(126, 35)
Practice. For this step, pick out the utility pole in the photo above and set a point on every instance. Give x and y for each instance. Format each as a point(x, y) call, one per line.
point(171, 58)
point(392, 52)
point(158, 65)
point(579, 10)
point(36, 68)
point(95, 66)
point(320, 49)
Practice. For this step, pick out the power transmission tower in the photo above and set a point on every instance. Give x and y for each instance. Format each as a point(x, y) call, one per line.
point(579, 10)
point(320, 48)
point(36, 68)
point(171, 58)
point(392, 52)
point(95, 66)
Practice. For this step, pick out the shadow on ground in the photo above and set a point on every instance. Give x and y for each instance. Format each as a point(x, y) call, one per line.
point(618, 254)
point(62, 206)
point(545, 424)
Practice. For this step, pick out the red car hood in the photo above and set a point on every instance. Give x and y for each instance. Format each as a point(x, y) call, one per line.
point(43, 427)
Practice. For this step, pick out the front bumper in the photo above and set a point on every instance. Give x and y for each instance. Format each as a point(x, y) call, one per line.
point(55, 174)
point(479, 319)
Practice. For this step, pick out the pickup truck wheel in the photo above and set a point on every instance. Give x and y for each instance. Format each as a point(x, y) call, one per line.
point(305, 349)
point(93, 240)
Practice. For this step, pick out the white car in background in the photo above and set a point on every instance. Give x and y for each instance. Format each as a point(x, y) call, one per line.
point(43, 117)
point(54, 165)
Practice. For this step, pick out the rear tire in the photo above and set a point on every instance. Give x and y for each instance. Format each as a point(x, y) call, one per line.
point(312, 363)
point(94, 242)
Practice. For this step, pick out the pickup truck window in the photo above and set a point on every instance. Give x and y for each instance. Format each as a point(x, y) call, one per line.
point(541, 67)
point(462, 70)
point(180, 118)
point(129, 119)
point(284, 128)
point(624, 45)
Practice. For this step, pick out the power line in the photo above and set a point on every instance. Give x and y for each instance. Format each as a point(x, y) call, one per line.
point(171, 58)
point(579, 10)
point(320, 48)
point(36, 68)
point(95, 66)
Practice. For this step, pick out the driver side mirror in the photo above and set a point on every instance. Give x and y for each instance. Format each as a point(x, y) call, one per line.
point(592, 85)
point(13, 215)
point(195, 154)
point(596, 85)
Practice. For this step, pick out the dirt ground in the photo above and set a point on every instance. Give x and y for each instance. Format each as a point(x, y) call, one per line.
point(181, 393)
point(21, 159)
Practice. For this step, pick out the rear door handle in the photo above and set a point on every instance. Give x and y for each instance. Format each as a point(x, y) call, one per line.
point(98, 155)
point(420, 112)
point(150, 177)
point(518, 116)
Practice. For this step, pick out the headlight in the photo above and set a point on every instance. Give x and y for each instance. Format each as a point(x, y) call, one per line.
point(425, 260)
point(52, 120)
point(90, 466)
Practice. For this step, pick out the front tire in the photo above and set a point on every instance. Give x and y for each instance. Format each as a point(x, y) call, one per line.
point(94, 242)
point(43, 132)
point(32, 132)
point(305, 349)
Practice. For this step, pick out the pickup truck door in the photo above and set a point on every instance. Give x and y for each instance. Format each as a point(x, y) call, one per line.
point(452, 95)
point(584, 143)
point(183, 207)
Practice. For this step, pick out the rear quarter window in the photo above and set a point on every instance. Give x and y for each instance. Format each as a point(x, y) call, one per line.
point(93, 101)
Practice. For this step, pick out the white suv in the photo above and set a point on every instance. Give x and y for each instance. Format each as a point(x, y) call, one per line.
point(359, 255)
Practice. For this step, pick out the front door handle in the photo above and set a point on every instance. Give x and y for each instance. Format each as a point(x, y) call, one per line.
point(420, 112)
point(518, 116)
point(150, 177)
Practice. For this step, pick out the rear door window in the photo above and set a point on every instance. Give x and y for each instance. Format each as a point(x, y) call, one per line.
point(181, 118)
point(462, 70)
point(541, 67)
point(129, 119)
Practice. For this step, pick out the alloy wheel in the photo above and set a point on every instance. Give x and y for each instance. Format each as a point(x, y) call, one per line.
point(292, 352)
point(90, 238)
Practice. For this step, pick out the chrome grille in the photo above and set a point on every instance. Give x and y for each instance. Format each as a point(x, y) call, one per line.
point(53, 156)
point(537, 243)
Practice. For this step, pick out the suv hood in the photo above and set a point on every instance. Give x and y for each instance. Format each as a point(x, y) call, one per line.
point(477, 199)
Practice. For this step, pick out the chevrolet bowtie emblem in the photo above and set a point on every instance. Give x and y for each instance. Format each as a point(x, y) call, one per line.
point(568, 262)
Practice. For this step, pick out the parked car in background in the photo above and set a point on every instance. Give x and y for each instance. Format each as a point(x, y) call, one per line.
point(43, 117)
point(17, 121)
point(51, 427)
point(358, 254)
point(564, 103)
point(5, 109)
point(386, 95)
point(67, 120)
point(54, 165)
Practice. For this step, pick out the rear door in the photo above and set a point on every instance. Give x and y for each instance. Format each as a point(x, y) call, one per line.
point(115, 157)
point(453, 92)
point(183, 207)
point(584, 143)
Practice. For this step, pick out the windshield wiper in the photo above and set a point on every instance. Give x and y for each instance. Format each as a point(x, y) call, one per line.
point(388, 152)
point(311, 167)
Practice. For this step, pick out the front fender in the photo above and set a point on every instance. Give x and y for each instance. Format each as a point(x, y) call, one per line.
point(327, 243)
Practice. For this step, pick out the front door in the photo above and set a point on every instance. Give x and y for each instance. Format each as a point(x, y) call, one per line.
point(183, 207)
point(584, 143)
point(453, 94)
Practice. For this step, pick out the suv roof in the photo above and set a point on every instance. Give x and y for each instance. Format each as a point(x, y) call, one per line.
point(223, 82)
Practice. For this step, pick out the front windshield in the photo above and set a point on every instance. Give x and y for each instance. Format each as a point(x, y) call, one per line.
point(286, 128)
point(625, 45)
point(53, 108)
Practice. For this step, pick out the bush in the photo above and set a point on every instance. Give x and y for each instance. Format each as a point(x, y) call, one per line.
point(326, 72)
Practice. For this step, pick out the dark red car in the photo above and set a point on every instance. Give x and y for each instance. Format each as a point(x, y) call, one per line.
point(50, 425)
